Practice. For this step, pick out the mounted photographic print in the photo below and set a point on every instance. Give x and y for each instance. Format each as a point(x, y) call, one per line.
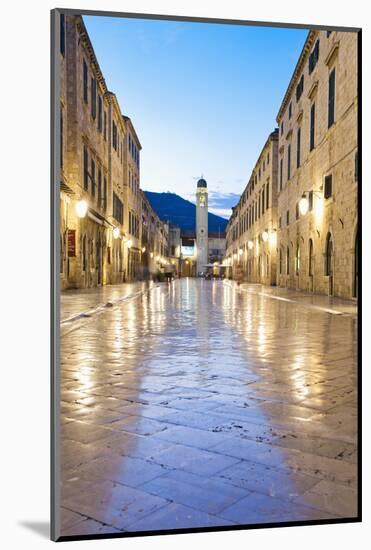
point(205, 242)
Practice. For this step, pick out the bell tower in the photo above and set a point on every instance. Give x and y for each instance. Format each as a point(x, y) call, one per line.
point(202, 236)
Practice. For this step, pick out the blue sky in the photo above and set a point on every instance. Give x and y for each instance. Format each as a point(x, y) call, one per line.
point(203, 97)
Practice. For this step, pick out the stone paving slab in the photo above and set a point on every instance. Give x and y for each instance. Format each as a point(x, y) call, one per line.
point(199, 405)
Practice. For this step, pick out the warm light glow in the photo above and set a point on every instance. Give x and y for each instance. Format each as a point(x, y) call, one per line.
point(265, 236)
point(303, 205)
point(157, 258)
point(116, 233)
point(81, 208)
point(273, 238)
point(129, 243)
point(235, 256)
point(250, 244)
point(187, 262)
point(318, 211)
point(143, 249)
point(240, 251)
point(151, 254)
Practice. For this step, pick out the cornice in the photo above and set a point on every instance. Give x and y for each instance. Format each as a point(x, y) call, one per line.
point(297, 71)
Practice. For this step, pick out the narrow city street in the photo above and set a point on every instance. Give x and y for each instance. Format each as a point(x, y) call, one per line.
point(200, 403)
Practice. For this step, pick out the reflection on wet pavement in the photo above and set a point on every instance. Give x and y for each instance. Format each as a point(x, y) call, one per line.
point(200, 404)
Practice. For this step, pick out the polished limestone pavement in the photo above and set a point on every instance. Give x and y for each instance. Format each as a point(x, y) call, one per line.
point(201, 403)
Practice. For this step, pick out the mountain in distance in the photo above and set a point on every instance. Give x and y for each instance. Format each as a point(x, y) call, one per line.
point(171, 207)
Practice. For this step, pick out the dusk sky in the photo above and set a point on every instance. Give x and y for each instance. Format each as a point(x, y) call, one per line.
point(202, 97)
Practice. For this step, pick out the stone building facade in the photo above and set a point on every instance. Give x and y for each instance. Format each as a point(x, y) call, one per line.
point(100, 200)
point(133, 203)
point(251, 232)
point(308, 239)
point(155, 241)
point(317, 187)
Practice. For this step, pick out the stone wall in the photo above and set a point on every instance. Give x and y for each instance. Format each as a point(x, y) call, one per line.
point(334, 219)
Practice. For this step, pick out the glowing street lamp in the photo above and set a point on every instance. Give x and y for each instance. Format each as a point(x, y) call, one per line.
point(240, 252)
point(250, 245)
point(129, 243)
point(143, 249)
point(303, 205)
point(81, 208)
point(151, 254)
point(265, 236)
point(116, 233)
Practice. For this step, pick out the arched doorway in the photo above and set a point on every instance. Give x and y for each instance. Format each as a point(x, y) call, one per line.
point(310, 265)
point(297, 259)
point(329, 263)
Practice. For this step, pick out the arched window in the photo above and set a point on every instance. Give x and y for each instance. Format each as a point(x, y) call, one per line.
point(297, 259)
point(310, 258)
point(288, 260)
point(329, 255)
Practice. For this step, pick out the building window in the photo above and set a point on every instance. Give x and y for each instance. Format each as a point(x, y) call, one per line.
point(282, 128)
point(117, 209)
point(331, 98)
point(356, 166)
point(313, 58)
point(93, 177)
point(329, 256)
point(328, 33)
point(105, 193)
point(290, 110)
point(328, 187)
point(100, 106)
point(288, 217)
point(298, 140)
point(62, 35)
point(288, 161)
point(310, 266)
point(300, 88)
point(99, 187)
point(105, 126)
point(93, 94)
point(263, 200)
point(281, 173)
point(297, 211)
point(288, 261)
point(312, 125)
point(86, 169)
point(267, 159)
point(310, 200)
point(267, 195)
point(114, 135)
point(280, 222)
point(85, 80)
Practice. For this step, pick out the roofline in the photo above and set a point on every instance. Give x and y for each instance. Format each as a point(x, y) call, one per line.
point(93, 58)
point(298, 68)
point(130, 122)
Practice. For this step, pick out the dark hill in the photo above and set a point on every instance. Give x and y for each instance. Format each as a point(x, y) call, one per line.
point(179, 211)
